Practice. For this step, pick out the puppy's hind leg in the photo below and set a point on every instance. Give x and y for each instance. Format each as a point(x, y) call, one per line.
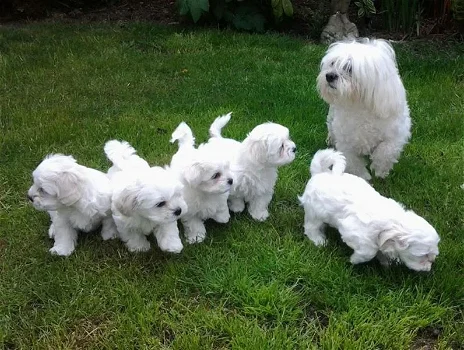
point(314, 228)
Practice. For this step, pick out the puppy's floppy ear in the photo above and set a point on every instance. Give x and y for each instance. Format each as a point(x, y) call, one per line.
point(192, 173)
point(257, 149)
point(127, 200)
point(391, 240)
point(69, 187)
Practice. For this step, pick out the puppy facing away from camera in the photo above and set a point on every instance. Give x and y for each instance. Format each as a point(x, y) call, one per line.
point(77, 198)
point(145, 200)
point(254, 163)
point(207, 179)
point(370, 224)
point(368, 113)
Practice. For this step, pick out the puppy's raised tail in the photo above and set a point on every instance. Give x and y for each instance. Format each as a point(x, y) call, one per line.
point(123, 155)
point(183, 134)
point(218, 124)
point(328, 161)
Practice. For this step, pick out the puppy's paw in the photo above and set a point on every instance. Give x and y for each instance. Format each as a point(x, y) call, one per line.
point(61, 250)
point(319, 241)
point(197, 237)
point(109, 234)
point(260, 215)
point(222, 218)
point(171, 246)
point(51, 231)
point(138, 247)
point(236, 206)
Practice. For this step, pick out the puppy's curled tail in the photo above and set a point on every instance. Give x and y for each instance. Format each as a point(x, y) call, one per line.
point(183, 134)
point(218, 124)
point(328, 161)
point(123, 155)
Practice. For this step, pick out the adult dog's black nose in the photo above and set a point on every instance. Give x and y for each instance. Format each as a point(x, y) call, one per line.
point(230, 181)
point(178, 211)
point(294, 149)
point(330, 77)
point(30, 198)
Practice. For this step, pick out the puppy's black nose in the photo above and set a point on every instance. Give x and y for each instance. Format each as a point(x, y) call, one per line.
point(294, 149)
point(330, 77)
point(230, 181)
point(30, 198)
point(178, 211)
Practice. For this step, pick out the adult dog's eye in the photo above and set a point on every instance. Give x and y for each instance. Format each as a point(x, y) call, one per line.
point(216, 176)
point(161, 204)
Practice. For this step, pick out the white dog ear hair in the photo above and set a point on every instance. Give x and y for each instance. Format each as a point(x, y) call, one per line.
point(388, 96)
point(192, 173)
point(127, 201)
point(69, 187)
point(391, 240)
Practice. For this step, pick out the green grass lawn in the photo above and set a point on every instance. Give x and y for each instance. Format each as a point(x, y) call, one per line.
point(250, 285)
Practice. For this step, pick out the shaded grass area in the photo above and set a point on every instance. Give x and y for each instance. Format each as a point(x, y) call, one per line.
point(251, 285)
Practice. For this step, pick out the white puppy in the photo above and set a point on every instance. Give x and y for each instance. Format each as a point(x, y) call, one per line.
point(144, 200)
point(254, 164)
point(368, 223)
point(368, 113)
point(76, 197)
point(207, 180)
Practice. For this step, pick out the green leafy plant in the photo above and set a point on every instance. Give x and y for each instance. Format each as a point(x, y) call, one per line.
point(402, 15)
point(249, 15)
point(281, 8)
point(193, 7)
point(366, 8)
point(457, 6)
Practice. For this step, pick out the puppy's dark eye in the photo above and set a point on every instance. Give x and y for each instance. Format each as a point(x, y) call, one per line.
point(161, 204)
point(216, 176)
point(347, 68)
point(332, 64)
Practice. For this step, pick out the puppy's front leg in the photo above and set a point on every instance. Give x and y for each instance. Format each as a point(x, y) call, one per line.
point(359, 257)
point(65, 236)
point(134, 239)
point(222, 215)
point(258, 207)
point(109, 230)
point(236, 204)
point(314, 229)
point(195, 230)
point(168, 238)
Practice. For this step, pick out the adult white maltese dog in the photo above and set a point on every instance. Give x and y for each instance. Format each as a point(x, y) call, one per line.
point(76, 197)
point(207, 180)
point(368, 113)
point(369, 223)
point(254, 164)
point(144, 200)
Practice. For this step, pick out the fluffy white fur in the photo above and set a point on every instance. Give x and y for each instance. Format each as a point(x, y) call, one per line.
point(254, 164)
point(369, 223)
point(144, 200)
point(207, 179)
point(368, 113)
point(76, 197)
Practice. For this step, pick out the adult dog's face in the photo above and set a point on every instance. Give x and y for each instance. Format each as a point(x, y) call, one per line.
point(57, 183)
